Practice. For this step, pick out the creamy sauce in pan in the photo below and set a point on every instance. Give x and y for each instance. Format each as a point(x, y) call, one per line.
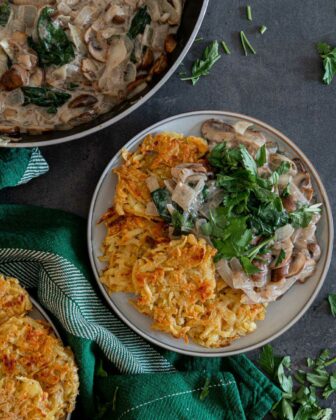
point(63, 63)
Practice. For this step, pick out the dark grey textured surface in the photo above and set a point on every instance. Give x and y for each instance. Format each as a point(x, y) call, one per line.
point(280, 85)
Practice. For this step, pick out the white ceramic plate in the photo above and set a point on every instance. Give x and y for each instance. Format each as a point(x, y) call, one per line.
point(291, 306)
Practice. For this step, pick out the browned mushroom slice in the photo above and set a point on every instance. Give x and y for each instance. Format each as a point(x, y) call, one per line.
point(98, 48)
point(217, 131)
point(9, 129)
point(147, 59)
point(297, 264)
point(280, 273)
point(14, 78)
point(314, 250)
point(160, 65)
point(90, 69)
point(137, 82)
point(302, 180)
point(170, 43)
point(82, 101)
point(83, 118)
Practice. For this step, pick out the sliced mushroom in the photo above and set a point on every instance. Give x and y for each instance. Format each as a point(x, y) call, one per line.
point(36, 79)
point(297, 264)
point(14, 78)
point(289, 203)
point(90, 69)
point(160, 65)
point(27, 61)
point(314, 250)
point(170, 43)
point(9, 129)
point(147, 59)
point(302, 180)
point(217, 131)
point(138, 82)
point(83, 101)
point(174, 8)
point(98, 48)
point(277, 274)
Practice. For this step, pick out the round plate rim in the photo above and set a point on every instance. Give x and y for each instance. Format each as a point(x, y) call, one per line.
point(329, 244)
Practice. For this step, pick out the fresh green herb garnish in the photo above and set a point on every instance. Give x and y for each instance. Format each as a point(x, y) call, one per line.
point(202, 66)
point(250, 206)
point(332, 303)
point(139, 22)
point(304, 214)
point(328, 55)
point(205, 391)
point(280, 258)
point(181, 223)
point(225, 48)
point(261, 156)
point(161, 198)
point(286, 191)
point(299, 396)
point(246, 43)
point(5, 11)
point(45, 97)
point(53, 45)
point(262, 29)
point(249, 13)
point(199, 39)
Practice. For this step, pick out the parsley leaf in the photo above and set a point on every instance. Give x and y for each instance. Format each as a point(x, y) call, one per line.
point(261, 156)
point(53, 45)
point(202, 66)
point(181, 222)
point(332, 303)
point(328, 55)
point(281, 257)
point(304, 214)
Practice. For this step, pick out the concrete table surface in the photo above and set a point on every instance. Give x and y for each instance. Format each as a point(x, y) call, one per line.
point(280, 85)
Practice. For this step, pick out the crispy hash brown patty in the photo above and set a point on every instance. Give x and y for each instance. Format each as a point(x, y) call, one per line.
point(173, 282)
point(23, 398)
point(155, 156)
point(225, 319)
point(38, 375)
point(127, 239)
point(14, 300)
point(177, 287)
point(29, 348)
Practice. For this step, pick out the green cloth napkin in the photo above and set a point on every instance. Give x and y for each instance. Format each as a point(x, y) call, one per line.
point(19, 166)
point(46, 250)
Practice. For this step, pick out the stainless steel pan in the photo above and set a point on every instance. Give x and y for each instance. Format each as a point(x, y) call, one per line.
point(193, 15)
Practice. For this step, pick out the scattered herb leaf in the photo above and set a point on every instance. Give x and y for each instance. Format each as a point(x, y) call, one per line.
point(161, 198)
point(262, 29)
point(202, 66)
point(249, 13)
point(246, 43)
point(225, 48)
point(328, 55)
point(261, 156)
point(332, 303)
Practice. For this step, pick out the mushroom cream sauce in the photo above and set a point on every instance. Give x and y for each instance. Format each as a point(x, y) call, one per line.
point(63, 63)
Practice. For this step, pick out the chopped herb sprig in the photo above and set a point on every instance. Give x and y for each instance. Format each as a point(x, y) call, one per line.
point(203, 65)
point(246, 44)
point(328, 55)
